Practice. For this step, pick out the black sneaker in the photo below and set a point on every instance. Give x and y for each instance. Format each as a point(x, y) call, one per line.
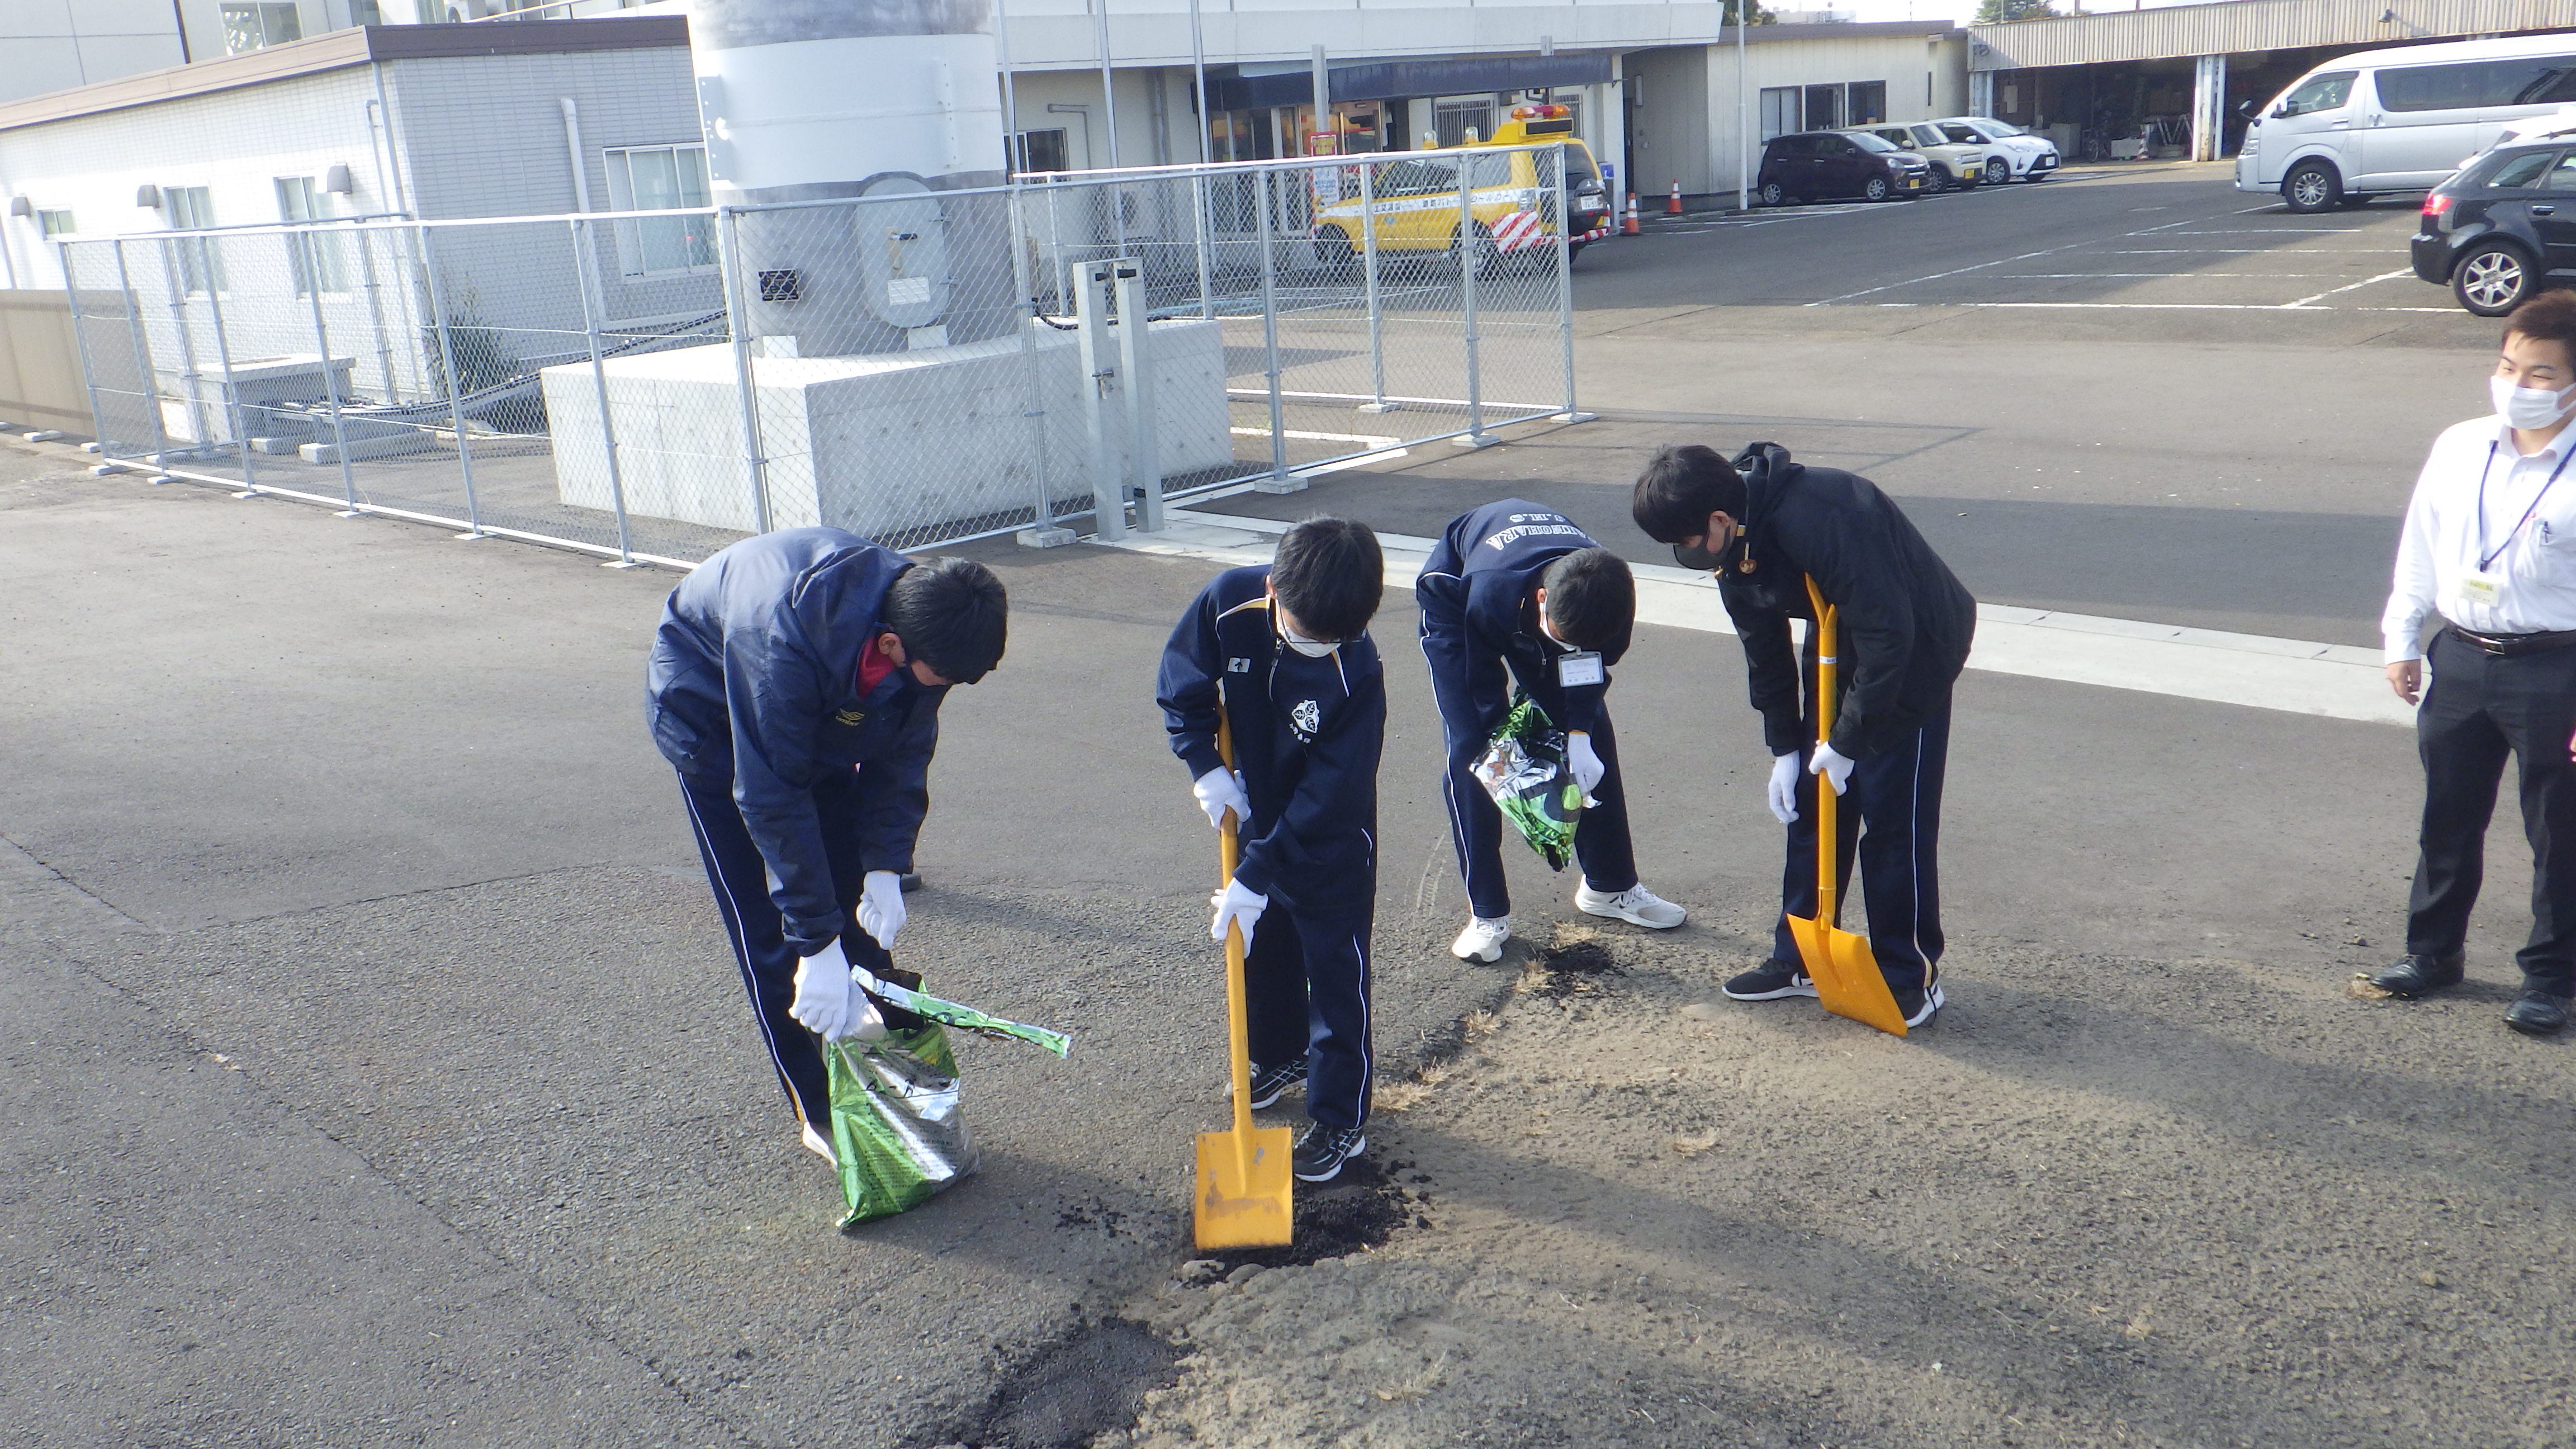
point(1323, 1150)
point(1269, 1082)
point(1773, 980)
point(1918, 1003)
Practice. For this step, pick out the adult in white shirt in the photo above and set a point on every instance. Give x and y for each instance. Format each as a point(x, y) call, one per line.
point(2487, 567)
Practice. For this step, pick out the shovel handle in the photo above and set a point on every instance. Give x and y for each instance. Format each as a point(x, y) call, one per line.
point(1238, 1028)
point(1827, 835)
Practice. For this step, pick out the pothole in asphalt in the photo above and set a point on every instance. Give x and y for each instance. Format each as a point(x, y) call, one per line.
point(1571, 968)
point(1356, 1211)
point(1091, 1381)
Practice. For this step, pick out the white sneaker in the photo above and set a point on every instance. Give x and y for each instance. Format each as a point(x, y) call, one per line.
point(1636, 905)
point(820, 1146)
point(1483, 939)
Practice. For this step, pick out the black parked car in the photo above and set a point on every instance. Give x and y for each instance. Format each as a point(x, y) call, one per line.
point(2503, 225)
point(1814, 164)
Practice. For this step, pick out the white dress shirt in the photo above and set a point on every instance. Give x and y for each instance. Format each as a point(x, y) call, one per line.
point(2533, 558)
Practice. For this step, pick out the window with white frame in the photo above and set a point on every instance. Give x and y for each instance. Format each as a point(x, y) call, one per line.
point(56, 223)
point(199, 260)
point(252, 24)
point(315, 255)
point(1779, 111)
point(661, 178)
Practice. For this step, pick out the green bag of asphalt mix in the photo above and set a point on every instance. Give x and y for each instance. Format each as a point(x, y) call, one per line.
point(1523, 768)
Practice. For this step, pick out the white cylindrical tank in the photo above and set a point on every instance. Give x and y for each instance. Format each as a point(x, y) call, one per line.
point(894, 100)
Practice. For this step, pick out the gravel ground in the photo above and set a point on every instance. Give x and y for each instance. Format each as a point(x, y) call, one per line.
point(2097, 1201)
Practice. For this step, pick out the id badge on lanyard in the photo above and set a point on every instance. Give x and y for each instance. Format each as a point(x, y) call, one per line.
point(1583, 667)
point(2484, 585)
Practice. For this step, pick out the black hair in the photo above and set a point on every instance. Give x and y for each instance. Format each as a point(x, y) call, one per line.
point(2547, 317)
point(1591, 598)
point(951, 614)
point(1681, 486)
point(1329, 574)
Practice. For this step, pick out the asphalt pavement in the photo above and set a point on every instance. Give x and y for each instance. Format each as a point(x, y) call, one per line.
point(377, 1073)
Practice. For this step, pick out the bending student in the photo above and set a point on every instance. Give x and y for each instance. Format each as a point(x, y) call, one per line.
point(2488, 556)
point(1282, 655)
point(1906, 623)
point(795, 684)
point(1514, 585)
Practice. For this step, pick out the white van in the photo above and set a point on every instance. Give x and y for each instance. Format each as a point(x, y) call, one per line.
point(2399, 120)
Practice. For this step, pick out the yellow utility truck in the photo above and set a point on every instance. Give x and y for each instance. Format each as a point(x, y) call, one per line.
point(1512, 198)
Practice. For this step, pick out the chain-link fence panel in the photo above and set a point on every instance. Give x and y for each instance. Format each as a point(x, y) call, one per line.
point(915, 365)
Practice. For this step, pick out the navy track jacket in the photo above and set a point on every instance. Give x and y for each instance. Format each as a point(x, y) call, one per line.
point(755, 675)
point(1906, 620)
point(1307, 735)
point(1475, 595)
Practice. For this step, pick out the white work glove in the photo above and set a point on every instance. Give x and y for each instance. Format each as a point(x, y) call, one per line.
point(881, 911)
point(1835, 768)
point(1587, 766)
point(1237, 903)
point(829, 1003)
point(1782, 796)
point(1220, 790)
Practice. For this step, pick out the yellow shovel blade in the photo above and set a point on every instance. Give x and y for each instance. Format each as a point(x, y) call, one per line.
point(1236, 1208)
point(1847, 977)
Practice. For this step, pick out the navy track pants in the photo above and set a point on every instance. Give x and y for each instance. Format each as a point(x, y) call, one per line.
point(1893, 806)
point(1471, 709)
point(1306, 984)
point(758, 932)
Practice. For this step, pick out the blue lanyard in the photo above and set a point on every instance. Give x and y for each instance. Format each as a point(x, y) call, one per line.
point(2487, 560)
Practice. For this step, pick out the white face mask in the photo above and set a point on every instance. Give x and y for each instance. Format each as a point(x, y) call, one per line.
point(2529, 408)
point(1311, 648)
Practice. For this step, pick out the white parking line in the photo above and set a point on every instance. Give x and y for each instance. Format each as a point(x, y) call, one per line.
point(2354, 286)
point(2175, 307)
point(2299, 676)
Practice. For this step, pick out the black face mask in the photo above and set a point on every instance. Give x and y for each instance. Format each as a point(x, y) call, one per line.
point(1699, 560)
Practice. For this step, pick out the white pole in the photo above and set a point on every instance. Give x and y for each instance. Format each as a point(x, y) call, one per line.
point(1743, 125)
point(1198, 70)
point(1012, 159)
point(1108, 95)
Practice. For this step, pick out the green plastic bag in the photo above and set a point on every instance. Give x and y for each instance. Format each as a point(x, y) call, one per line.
point(897, 1131)
point(1523, 768)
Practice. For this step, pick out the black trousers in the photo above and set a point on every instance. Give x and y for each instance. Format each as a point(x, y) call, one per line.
point(1306, 989)
point(2478, 710)
point(758, 932)
point(1892, 806)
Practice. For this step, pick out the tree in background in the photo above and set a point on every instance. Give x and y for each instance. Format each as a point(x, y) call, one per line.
point(1991, 12)
point(1757, 12)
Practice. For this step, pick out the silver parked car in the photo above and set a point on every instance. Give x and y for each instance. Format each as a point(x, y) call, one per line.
point(1956, 164)
point(2027, 157)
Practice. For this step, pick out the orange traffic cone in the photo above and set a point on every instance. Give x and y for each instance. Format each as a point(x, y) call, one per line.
point(1628, 223)
point(1673, 206)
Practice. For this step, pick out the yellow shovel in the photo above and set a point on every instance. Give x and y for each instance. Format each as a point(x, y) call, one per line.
point(1846, 974)
point(1244, 1183)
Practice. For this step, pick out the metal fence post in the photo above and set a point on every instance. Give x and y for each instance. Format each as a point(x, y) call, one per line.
point(1199, 200)
point(1470, 262)
point(1565, 285)
point(1377, 402)
point(1278, 481)
point(175, 278)
point(738, 323)
point(455, 398)
point(581, 261)
point(1043, 531)
point(330, 374)
point(232, 393)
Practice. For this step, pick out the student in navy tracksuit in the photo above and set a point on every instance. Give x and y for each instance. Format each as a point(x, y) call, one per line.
point(1515, 586)
point(1765, 524)
point(795, 684)
point(1284, 652)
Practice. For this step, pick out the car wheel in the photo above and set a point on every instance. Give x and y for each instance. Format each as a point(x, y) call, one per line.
point(1875, 189)
point(1773, 194)
point(2492, 278)
point(1573, 250)
point(2312, 186)
point(1998, 171)
point(1333, 247)
point(1484, 244)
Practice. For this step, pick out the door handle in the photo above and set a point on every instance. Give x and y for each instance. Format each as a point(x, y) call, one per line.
point(2544, 211)
point(2341, 125)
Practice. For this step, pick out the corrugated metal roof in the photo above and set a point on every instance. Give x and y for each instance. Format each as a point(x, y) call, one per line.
point(2233, 27)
